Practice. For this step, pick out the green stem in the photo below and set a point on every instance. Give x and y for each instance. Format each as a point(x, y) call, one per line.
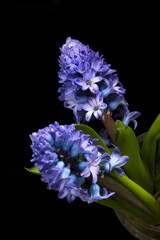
point(123, 207)
point(132, 198)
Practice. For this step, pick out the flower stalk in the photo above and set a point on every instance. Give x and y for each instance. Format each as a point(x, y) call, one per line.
point(109, 124)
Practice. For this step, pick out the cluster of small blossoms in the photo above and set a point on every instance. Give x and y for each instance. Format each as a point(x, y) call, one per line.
point(89, 85)
point(69, 161)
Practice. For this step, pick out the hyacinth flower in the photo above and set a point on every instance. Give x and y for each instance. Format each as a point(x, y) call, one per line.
point(66, 160)
point(114, 168)
point(75, 161)
point(95, 193)
point(84, 74)
point(114, 161)
point(94, 107)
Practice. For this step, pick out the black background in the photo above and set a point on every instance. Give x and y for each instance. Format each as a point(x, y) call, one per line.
point(31, 33)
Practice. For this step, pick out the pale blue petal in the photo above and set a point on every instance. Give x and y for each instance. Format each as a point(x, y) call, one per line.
point(107, 167)
point(82, 165)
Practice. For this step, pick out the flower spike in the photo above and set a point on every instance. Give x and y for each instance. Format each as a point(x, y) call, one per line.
point(67, 159)
point(89, 85)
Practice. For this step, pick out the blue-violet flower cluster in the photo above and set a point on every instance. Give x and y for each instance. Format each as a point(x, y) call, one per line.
point(90, 85)
point(70, 163)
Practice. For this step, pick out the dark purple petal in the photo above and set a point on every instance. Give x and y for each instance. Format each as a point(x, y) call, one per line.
point(70, 197)
point(120, 171)
point(63, 194)
point(100, 148)
point(119, 90)
point(105, 158)
point(116, 153)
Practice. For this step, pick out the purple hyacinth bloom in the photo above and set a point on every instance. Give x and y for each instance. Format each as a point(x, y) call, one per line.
point(69, 161)
point(56, 150)
point(115, 161)
point(82, 72)
point(89, 80)
point(66, 158)
point(94, 106)
point(95, 193)
point(83, 75)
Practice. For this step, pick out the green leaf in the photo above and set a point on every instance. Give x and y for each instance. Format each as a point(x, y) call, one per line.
point(149, 146)
point(157, 170)
point(88, 130)
point(135, 168)
point(157, 184)
point(34, 170)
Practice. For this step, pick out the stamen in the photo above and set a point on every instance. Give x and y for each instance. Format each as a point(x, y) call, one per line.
point(96, 108)
point(88, 82)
